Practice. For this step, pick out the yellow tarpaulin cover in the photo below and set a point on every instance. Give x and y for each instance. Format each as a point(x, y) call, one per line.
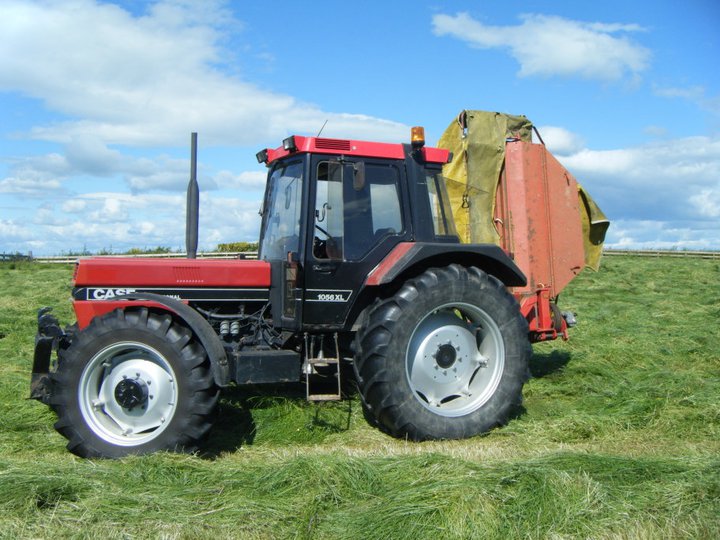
point(595, 225)
point(477, 140)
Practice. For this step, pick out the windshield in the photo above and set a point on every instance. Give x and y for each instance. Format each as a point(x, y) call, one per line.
point(282, 212)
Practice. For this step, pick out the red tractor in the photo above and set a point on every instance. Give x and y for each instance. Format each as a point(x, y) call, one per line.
point(359, 263)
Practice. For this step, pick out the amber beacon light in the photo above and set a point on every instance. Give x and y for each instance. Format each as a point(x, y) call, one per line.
point(417, 136)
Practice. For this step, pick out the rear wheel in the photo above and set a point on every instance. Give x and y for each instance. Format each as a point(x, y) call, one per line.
point(444, 358)
point(133, 382)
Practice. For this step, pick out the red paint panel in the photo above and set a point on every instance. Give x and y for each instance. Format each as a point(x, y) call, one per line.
point(319, 145)
point(378, 273)
point(346, 147)
point(538, 312)
point(435, 155)
point(135, 272)
point(538, 217)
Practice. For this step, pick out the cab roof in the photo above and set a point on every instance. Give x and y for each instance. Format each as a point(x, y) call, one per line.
point(297, 144)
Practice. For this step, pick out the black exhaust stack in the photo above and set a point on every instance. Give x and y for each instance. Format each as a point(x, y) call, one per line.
point(193, 203)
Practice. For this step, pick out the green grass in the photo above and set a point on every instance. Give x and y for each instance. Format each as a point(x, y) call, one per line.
point(619, 437)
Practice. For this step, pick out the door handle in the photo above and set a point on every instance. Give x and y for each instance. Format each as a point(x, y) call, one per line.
point(324, 268)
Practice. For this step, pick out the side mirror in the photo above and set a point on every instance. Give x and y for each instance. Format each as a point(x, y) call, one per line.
point(359, 176)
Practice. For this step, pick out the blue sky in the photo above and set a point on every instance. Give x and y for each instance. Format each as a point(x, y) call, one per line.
point(98, 99)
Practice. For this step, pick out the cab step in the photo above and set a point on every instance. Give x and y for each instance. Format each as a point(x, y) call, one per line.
point(322, 373)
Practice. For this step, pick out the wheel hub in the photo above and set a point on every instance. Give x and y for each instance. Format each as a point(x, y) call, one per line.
point(443, 351)
point(128, 393)
point(131, 393)
point(445, 355)
point(455, 359)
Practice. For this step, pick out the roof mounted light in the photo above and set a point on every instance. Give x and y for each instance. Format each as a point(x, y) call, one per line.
point(262, 156)
point(289, 144)
point(417, 137)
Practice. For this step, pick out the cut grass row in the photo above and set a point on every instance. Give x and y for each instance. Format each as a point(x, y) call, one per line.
point(618, 438)
point(432, 495)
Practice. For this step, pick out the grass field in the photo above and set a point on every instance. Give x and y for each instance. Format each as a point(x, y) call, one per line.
point(619, 437)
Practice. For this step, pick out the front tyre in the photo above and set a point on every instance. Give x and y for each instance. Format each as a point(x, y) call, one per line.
point(445, 358)
point(133, 382)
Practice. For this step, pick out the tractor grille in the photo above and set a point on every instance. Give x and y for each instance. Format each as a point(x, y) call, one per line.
point(187, 274)
point(332, 144)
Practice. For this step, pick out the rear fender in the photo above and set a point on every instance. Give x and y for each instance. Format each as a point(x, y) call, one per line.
point(414, 257)
point(409, 259)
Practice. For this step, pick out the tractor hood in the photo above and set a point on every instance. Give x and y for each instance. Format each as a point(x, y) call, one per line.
point(102, 284)
point(175, 273)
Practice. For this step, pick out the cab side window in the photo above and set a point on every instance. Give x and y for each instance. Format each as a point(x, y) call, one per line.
point(357, 204)
point(443, 222)
point(329, 220)
point(372, 207)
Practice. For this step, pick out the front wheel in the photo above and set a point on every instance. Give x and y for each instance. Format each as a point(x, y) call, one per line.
point(445, 358)
point(133, 382)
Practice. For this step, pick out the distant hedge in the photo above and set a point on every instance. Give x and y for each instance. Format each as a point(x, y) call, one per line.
point(233, 247)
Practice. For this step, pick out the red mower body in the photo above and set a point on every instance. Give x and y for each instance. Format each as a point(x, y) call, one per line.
point(538, 218)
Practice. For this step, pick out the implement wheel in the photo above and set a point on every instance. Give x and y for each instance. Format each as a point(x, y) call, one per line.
point(133, 382)
point(445, 358)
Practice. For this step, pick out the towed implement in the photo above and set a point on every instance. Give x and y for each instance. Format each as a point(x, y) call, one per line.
point(425, 270)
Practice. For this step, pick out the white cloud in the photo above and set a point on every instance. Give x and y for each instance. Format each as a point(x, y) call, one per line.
point(37, 176)
point(113, 79)
point(120, 221)
point(560, 141)
point(29, 187)
point(112, 211)
point(695, 94)
point(89, 155)
point(554, 46)
point(48, 215)
point(151, 79)
point(14, 235)
point(248, 180)
point(74, 206)
point(163, 174)
point(707, 202)
point(672, 183)
point(690, 161)
point(692, 92)
point(659, 234)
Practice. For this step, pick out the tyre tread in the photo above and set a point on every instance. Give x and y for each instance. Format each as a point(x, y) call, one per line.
point(380, 397)
point(200, 405)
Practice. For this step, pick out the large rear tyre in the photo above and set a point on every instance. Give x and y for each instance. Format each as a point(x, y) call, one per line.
point(445, 358)
point(133, 382)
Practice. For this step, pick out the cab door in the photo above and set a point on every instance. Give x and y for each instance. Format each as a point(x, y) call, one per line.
point(358, 218)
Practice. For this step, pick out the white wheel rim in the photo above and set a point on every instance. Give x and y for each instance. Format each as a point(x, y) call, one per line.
point(455, 359)
point(147, 374)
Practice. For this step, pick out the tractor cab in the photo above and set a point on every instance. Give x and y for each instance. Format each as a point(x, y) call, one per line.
point(334, 210)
